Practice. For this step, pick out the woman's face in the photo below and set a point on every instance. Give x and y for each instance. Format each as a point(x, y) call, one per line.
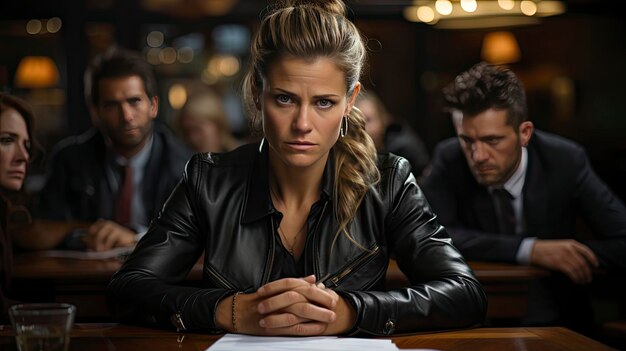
point(14, 146)
point(303, 103)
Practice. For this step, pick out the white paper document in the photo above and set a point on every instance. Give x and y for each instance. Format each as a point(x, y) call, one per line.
point(230, 342)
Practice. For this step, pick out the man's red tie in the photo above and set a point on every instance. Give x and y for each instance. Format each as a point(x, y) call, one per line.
point(124, 197)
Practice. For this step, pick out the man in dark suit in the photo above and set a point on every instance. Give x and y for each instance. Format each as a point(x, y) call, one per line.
point(509, 193)
point(117, 174)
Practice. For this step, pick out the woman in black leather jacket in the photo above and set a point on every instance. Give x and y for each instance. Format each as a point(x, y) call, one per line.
point(297, 231)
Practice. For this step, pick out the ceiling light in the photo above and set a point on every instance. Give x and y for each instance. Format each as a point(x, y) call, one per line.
point(464, 14)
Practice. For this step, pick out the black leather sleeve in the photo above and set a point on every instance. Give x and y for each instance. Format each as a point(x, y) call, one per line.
point(149, 288)
point(444, 292)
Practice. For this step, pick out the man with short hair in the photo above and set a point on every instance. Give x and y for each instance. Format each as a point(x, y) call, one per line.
point(509, 193)
point(119, 173)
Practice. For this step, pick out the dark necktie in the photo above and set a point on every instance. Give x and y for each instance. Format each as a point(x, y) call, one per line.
point(504, 211)
point(124, 197)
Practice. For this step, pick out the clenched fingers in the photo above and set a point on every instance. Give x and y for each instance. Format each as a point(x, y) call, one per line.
point(307, 293)
point(296, 314)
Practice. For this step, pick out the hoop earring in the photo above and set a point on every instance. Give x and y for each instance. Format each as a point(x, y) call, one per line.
point(343, 130)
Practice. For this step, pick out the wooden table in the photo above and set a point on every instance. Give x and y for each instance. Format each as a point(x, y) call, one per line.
point(80, 282)
point(83, 282)
point(96, 337)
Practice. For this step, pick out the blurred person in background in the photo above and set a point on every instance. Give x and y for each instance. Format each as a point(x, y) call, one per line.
point(203, 124)
point(116, 175)
point(389, 135)
point(16, 141)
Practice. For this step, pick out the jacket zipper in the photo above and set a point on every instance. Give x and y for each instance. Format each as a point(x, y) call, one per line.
point(219, 278)
point(362, 259)
point(270, 257)
point(316, 265)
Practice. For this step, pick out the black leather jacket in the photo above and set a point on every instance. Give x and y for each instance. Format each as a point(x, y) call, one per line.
point(222, 207)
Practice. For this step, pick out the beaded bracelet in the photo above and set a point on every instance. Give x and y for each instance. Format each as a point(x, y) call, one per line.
point(233, 308)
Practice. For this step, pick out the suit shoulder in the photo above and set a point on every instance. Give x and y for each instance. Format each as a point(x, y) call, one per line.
point(448, 143)
point(448, 153)
point(77, 145)
point(448, 148)
point(556, 146)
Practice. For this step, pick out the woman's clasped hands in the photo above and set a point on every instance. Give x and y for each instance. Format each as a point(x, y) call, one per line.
point(289, 306)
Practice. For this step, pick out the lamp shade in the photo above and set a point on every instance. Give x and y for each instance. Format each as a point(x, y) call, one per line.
point(500, 48)
point(36, 72)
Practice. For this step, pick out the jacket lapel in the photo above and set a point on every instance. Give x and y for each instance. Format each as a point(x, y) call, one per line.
point(258, 203)
point(535, 199)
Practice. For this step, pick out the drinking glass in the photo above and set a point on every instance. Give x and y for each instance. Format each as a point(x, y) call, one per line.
point(42, 326)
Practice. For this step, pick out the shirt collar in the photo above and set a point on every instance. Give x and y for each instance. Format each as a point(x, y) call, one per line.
point(139, 160)
point(515, 184)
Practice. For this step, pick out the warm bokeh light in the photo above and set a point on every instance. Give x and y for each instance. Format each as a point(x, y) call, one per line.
point(54, 25)
point(500, 48)
point(506, 4)
point(410, 14)
point(185, 54)
point(177, 96)
point(550, 8)
point(425, 14)
point(33, 26)
point(168, 55)
point(155, 39)
point(444, 7)
point(229, 66)
point(152, 56)
point(528, 7)
point(36, 72)
point(469, 5)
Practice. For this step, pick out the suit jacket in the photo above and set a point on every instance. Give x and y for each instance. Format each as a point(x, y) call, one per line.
point(76, 187)
point(559, 186)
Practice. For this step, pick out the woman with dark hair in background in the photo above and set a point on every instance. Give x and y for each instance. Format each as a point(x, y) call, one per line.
point(16, 138)
point(297, 230)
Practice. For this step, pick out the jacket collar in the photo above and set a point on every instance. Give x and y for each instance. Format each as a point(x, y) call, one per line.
point(258, 202)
